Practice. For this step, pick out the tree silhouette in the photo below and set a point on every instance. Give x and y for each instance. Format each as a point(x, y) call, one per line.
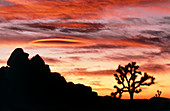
point(130, 80)
point(158, 93)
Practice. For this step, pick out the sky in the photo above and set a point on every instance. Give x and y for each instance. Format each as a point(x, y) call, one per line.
point(86, 40)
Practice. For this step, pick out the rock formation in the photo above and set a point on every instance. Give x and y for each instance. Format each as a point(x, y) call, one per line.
point(29, 84)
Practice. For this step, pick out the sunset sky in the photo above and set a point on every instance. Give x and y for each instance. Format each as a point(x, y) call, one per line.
point(86, 40)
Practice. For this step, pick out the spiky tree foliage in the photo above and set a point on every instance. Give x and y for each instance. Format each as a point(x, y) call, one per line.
point(130, 80)
point(118, 91)
point(158, 93)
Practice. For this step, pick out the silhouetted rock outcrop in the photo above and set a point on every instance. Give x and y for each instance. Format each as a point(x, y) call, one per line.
point(29, 84)
point(18, 58)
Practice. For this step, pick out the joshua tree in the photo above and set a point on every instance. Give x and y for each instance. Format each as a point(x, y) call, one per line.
point(119, 91)
point(158, 93)
point(131, 80)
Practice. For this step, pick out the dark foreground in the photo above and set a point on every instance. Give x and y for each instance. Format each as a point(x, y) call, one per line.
point(103, 104)
point(29, 85)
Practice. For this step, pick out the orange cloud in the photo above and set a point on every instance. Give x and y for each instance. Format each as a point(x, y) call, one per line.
point(126, 43)
point(84, 72)
point(61, 42)
point(82, 42)
point(12, 43)
point(68, 25)
point(75, 9)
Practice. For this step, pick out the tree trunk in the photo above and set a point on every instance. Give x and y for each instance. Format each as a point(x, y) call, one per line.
point(131, 95)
